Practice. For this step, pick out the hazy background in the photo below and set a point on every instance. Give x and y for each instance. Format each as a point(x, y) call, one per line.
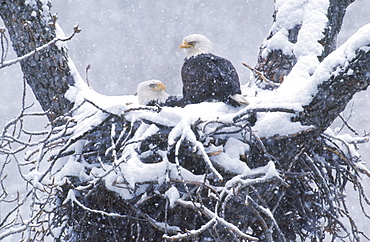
point(127, 42)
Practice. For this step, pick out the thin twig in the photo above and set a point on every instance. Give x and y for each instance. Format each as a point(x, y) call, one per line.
point(38, 49)
point(261, 76)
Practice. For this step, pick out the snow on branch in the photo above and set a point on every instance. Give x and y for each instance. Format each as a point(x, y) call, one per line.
point(327, 87)
point(293, 44)
point(309, 16)
point(302, 35)
point(335, 64)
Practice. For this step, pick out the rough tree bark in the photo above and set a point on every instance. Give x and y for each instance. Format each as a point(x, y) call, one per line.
point(46, 72)
point(269, 208)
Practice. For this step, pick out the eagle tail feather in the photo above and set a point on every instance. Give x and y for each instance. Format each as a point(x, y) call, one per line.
point(240, 99)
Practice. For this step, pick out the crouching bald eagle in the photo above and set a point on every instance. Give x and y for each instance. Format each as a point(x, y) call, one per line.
point(207, 77)
point(153, 92)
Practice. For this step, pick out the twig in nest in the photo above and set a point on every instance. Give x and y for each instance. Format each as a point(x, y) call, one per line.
point(213, 217)
point(261, 76)
point(191, 233)
point(159, 225)
point(267, 212)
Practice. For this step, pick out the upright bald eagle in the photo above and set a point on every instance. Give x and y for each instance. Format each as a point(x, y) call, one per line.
point(207, 77)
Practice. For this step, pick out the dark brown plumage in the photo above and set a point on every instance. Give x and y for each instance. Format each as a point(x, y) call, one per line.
point(205, 76)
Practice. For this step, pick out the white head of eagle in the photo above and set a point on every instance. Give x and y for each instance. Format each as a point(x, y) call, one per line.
point(152, 92)
point(196, 44)
point(205, 76)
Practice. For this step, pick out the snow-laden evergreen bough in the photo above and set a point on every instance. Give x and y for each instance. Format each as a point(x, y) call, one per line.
point(111, 169)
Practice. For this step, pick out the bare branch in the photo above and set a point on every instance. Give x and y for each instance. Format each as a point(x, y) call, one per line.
point(38, 49)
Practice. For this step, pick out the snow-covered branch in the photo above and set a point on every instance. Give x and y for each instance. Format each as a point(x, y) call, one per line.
point(321, 83)
point(303, 33)
point(339, 76)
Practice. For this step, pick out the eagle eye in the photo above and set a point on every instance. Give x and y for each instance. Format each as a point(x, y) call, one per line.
point(152, 85)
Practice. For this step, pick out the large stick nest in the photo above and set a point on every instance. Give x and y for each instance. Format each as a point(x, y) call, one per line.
point(148, 178)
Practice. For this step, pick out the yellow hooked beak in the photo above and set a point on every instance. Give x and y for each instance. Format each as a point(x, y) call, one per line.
point(186, 45)
point(160, 87)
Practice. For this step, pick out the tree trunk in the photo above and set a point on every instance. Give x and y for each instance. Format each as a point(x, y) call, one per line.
point(47, 72)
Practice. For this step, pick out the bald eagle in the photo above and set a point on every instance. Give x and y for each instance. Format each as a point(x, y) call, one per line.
point(152, 92)
point(207, 77)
